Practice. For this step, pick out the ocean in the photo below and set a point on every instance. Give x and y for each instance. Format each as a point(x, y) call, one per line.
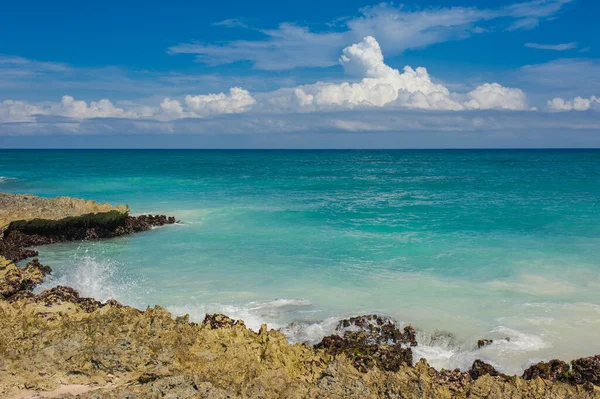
point(462, 244)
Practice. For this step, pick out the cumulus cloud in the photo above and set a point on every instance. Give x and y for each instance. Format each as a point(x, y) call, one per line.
point(495, 96)
point(238, 100)
point(576, 104)
point(71, 108)
point(383, 85)
point(379, 85)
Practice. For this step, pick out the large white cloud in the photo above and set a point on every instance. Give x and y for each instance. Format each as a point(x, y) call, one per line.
point(576, 104)
point(383, 85)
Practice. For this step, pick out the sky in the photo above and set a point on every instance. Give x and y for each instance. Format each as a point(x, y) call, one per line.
point(314, 74)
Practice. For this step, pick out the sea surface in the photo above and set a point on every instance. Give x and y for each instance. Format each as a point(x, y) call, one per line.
point(462, 244)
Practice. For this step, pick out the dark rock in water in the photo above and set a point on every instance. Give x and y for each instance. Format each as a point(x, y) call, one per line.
point(379, 330)
point(586, 370)
point(30, 233)
point(216, 321)
point(370, 341)
point(481, 368)
point(484, 342)
point(554, 370)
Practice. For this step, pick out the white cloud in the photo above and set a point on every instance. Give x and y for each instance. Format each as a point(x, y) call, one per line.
point(18, 111)
point(172, 109)
point(398, 28)
point(382, 86)
point(495, 96)
point(238, 100)
point(379, 86)
point(71, 108)
point(576, 104)
point(555, 47)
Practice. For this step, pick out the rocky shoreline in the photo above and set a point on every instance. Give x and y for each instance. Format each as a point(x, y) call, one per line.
point(58, 344)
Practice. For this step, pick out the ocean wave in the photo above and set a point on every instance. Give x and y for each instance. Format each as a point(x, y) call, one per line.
point(101, 279)
point(4, 179)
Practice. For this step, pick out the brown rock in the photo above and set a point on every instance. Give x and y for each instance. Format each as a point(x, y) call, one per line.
point(370, 341)
point(554, 370)
point(14, 279)
point(481, 368)
point(586, 370)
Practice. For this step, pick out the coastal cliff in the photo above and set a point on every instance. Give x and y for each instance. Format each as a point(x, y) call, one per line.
point(58, 344)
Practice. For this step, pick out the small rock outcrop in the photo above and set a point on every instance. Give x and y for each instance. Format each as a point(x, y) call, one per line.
point(370, 341)
point(586, 370)
point(26, 207)
point(481, 368)
point(29, 221)
point(553, 370)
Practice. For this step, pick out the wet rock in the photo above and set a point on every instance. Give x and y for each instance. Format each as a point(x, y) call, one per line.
point(32, 233)
point(586, 370)
point(379, 329)
point(554, 370)
point(370, 341)
point(481, 368)
point(484, 342)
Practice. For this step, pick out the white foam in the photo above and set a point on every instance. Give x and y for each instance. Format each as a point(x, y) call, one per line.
point(276, 314)
point(91, 277)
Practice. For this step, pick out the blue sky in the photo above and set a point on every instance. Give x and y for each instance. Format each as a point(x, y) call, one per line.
point(314, 74)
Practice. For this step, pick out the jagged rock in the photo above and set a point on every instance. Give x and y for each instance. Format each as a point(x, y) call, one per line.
point(370, 341)
point(586, 370)
point(455, 380)
point(481, 368)
point(60, 294)
point(554, 370)
point(215, 321)
point(14, 279)
point(484, 342)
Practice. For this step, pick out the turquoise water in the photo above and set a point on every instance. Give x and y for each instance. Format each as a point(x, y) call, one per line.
point(463, 244)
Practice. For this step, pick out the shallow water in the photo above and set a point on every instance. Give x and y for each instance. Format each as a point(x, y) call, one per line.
point(462, 244)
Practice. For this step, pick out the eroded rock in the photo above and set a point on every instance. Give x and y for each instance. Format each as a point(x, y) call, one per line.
point(553, 370)
point(586, 370)
point(14, 279)
point(370, 341)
